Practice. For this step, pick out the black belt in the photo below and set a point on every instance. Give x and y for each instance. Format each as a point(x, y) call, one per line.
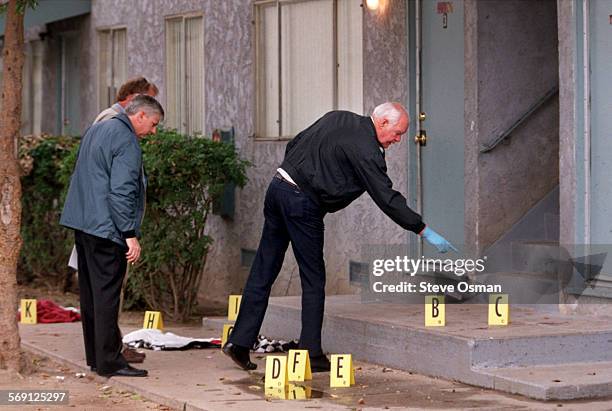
point(280, 177)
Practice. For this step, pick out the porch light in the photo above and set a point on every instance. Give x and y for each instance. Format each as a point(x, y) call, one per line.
point(372, 4)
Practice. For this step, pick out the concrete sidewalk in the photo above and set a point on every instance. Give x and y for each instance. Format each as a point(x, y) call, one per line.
point(207, 380)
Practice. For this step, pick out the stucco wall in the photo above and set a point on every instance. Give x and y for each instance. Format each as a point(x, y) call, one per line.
point(567, 113)
point(360, 223)
point(516, 64)
point(228, 84)
point(229, 99)
point(471, 169)
point(385, 79)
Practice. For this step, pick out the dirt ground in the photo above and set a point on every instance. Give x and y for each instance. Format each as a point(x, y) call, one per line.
point(44, 292)
point(84, 391)
point(71, 299)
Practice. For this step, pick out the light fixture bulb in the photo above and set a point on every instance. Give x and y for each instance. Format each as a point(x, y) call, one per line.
point(372, 4)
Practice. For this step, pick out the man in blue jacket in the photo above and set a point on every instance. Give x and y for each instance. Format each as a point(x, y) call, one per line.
point(105, 206)
point(326, 167)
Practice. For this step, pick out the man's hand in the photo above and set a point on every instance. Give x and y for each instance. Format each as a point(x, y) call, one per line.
point(133, 253)
point(437, 240)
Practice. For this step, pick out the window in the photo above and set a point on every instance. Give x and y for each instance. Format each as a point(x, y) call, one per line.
point(185, 74)
point(32, 87)
point(112, 64)
point(309, 61)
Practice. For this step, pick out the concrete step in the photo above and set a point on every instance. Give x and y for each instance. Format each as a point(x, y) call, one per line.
point(466, 349)
point(558, 382)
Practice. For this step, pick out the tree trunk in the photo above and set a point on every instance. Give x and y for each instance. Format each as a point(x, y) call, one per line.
point(11, 357)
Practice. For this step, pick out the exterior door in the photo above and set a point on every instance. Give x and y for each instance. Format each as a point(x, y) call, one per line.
point(437, 90)
point(70, 86)
point(600, 191)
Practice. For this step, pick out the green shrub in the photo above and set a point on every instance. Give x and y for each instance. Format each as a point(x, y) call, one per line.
point(46, 245)
point(185, 175)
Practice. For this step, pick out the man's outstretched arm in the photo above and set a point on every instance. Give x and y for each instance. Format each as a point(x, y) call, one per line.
point(373, 173)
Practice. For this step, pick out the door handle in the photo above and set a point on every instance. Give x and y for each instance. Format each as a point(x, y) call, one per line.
point(421, 138)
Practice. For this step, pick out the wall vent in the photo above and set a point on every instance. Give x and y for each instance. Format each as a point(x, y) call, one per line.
point(358, 273)
point(247, 257)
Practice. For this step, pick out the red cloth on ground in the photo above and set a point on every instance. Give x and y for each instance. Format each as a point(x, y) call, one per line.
point(49, 312)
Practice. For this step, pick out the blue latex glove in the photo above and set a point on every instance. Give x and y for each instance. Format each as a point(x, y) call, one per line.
point(437, 240)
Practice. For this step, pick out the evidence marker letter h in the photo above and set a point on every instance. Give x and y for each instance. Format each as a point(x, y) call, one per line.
point(153, 320)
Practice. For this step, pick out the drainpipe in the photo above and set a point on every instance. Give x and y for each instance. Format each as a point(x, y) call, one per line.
point(587, 121)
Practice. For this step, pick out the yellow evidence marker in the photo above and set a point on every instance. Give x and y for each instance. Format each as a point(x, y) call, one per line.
point(28, 311)
point(233, 307)
point(342, 373)
point(227, 330)
point(153, 320)
point(435, 314)
point(499, 309)
point(299, 365)
point(299, 392)
point(276, 372)
point(280, 393)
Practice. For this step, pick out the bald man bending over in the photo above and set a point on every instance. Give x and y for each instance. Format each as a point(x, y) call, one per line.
point(326, 167)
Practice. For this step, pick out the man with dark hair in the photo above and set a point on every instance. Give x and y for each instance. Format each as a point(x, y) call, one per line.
point(105, 205)
point(326, 167)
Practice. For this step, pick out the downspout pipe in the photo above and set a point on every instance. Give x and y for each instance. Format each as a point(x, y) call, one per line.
point(587, 121)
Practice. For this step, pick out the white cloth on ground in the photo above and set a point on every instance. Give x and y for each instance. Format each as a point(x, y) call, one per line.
point(154, 339)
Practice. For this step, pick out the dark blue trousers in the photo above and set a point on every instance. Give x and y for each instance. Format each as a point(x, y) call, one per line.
point(290, 216)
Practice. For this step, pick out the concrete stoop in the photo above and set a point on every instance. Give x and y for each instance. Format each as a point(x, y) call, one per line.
point(560, 382)
point(541, 355)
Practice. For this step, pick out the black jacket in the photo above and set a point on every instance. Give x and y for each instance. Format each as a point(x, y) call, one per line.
point(338, 158)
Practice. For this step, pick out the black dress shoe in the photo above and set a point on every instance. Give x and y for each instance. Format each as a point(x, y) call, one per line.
point(127, 371)
point(320, 363)
point(240, 355)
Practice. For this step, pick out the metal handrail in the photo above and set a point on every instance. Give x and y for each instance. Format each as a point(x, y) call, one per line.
point(484, 148)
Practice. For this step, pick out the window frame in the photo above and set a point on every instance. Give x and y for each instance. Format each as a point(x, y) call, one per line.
point(257, 7)
point(32, 89)
point(184, 16)
point(110, 30)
